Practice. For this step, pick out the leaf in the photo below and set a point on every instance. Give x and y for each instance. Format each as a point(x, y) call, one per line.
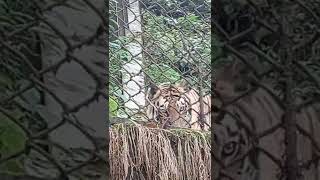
point(12, 139)
point(113, 106)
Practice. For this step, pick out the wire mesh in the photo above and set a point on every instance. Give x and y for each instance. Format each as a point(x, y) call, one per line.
point(269, 100)
point(27, 149)
point(160, 62)
point(266, 104)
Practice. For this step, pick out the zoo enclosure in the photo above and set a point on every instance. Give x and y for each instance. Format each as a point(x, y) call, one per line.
point(156, 42)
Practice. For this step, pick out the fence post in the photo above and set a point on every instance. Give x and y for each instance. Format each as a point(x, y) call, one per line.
point(201, 115)
point(133, 77)
point(291, 161)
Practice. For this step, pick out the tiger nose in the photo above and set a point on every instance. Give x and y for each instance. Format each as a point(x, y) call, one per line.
point(162, 106)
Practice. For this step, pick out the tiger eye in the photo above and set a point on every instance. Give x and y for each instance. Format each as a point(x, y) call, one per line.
point(229, 148)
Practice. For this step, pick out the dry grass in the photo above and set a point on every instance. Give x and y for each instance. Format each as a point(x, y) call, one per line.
point(141, 153)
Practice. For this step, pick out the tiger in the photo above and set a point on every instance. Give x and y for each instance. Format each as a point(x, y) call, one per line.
point(231, 144)
point(248, 132)
point(178, 105)
point(235, 150)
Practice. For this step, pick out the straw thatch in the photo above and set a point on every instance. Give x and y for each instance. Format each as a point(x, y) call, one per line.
point(141, 153)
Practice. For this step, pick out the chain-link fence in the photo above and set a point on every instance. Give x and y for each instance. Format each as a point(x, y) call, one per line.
point(268, 116)
point(160, 62)
point(52, 75)
point(52, 87)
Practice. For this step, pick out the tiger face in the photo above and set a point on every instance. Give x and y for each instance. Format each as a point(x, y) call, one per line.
point(165, 104)
point(176, 105)
point(162, 104)
point(235, 157)
point(160, 100)
point(235, 150)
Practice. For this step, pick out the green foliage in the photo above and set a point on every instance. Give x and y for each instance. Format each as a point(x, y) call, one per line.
point(113, 106)
point(171, 41)
point(118, 55)
point(162, 73)
point(174, 8)
point(12, 137)
point(12, 140)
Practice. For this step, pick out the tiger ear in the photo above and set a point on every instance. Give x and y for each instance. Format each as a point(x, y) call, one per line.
point(152, 88)
point(183, 83)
